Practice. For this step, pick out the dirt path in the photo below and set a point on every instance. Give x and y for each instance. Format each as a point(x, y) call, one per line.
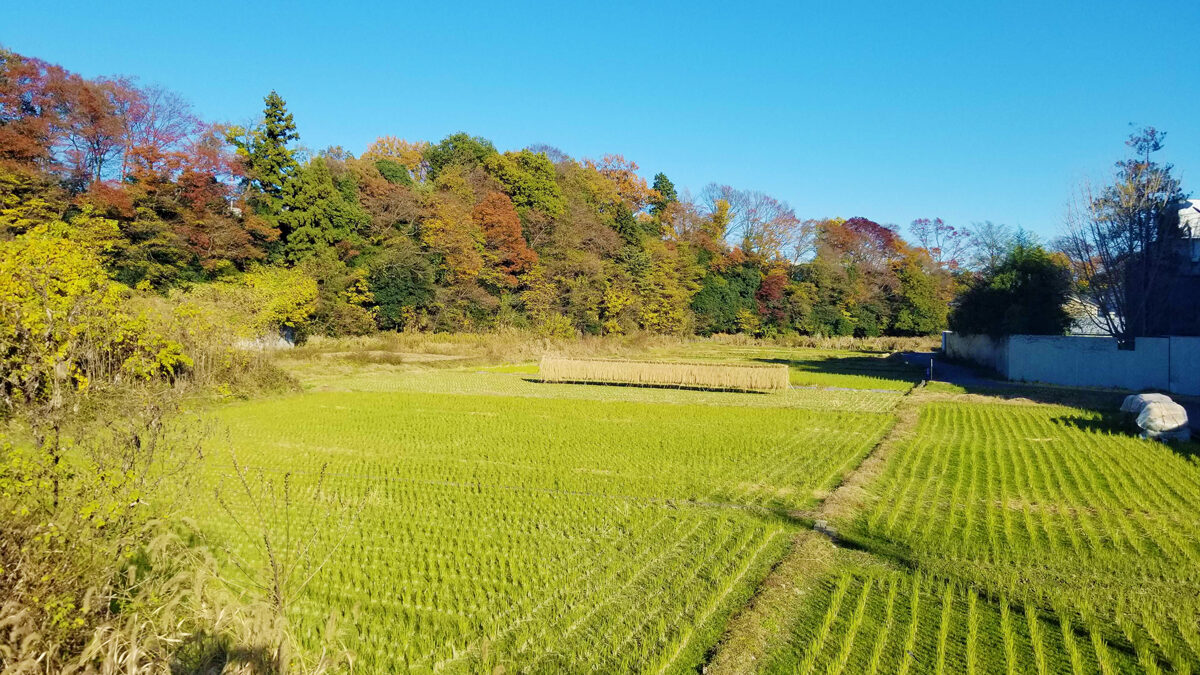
point(763, 625)
point(850, 495)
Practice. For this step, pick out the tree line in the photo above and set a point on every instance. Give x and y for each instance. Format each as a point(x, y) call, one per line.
point(1125, 267)
point(453, 235)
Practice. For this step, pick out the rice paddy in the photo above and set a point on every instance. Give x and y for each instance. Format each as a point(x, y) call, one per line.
point(499, 521)
point(878, 620)
point(1034, 538)
point(539, 533)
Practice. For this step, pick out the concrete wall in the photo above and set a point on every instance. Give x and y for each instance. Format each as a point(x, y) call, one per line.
point(1080, 361)
point(1167, 364)
point(991, 353)
point(1185, 365)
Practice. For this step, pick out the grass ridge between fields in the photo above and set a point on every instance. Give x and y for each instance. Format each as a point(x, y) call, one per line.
point(748, 640)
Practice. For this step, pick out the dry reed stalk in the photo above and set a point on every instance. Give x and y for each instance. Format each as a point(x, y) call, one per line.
point(751, 377)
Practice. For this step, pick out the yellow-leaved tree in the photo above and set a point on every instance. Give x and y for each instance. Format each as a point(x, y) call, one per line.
point(65, 327)
point(84, 471)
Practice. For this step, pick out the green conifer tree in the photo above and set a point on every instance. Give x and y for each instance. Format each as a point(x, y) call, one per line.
point(316, 215)
point(667, 194)
point(268, 162)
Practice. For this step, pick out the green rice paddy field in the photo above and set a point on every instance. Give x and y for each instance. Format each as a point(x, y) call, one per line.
point(472, 518)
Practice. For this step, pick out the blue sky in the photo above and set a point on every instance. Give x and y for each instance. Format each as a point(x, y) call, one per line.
point(965, 110)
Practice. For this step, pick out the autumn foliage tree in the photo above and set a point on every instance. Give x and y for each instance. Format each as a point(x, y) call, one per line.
point(946, 244)
point(1122, 241)
point(32, 98)
point(497, 217)
point(445, 235)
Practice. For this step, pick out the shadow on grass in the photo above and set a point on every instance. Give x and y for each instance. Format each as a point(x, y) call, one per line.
point(642, 385)
point(1100, 400)
point(1107, 423)
point(982, 382)
point(887, 368)
point(903, 557)
point(1119, 424)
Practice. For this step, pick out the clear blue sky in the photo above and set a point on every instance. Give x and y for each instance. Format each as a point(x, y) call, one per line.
point(964, 110)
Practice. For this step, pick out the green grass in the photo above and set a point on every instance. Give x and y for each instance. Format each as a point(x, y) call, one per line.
point(800, 375)
point(849, 369)
point(944, 388)
point(876, 620)
point(537, 533)
point(1050, 504)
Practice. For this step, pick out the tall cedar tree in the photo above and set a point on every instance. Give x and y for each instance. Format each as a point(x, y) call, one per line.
point(666, 194)
point(316, 215)
point(267, 162)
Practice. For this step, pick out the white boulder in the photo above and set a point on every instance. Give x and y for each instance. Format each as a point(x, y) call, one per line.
point(1134, 403)
point(1164, 420)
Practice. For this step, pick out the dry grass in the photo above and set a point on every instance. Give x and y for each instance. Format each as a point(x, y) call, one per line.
point(468, 349)
point(510, 345)
point(743, 377)
point(925, 343)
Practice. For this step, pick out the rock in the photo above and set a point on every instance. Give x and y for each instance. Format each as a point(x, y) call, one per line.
point(1134, 403)
point(825, 528)
point(269, 341)
point(1164, 421)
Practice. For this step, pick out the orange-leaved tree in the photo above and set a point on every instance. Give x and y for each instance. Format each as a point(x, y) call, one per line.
point(505, 244)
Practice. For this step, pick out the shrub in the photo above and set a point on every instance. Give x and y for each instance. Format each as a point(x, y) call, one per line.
point(65, 326)
point(93, 458)
point(394, 172)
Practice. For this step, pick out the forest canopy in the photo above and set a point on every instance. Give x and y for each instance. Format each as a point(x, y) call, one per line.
point(453, 235)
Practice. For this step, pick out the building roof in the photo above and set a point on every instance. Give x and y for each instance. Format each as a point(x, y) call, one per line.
point(1189, 218)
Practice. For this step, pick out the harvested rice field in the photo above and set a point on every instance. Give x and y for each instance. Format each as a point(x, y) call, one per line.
point(472, 518)
point(543, 532)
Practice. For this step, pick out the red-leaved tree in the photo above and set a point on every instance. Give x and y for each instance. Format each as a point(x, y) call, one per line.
point(497, 217)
